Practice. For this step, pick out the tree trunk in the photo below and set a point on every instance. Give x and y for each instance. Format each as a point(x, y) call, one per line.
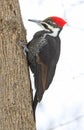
point(15, 95)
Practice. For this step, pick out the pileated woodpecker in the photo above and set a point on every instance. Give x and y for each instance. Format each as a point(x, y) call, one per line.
point(43, 52)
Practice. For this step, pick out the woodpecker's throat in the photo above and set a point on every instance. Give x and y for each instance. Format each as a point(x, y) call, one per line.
point(55, 32)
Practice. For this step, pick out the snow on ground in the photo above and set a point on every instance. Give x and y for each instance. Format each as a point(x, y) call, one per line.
point(62, 106)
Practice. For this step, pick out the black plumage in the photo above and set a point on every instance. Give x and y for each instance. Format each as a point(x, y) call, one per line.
point(43, 55)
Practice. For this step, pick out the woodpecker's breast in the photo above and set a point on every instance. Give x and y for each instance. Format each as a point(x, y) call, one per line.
point(38, 41)
point(34, 46)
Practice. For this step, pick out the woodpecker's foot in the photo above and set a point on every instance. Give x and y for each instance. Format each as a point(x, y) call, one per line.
point(24, 46)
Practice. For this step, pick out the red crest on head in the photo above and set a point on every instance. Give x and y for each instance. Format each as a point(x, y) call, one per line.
point(59, 21)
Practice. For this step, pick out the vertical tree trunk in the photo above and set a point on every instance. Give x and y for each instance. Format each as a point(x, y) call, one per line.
point(15, 96)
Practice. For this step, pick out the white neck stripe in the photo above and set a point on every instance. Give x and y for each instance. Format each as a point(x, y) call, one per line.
point(55, 32)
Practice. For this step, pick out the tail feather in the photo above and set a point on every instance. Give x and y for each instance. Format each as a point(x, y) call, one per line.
point(35, 104)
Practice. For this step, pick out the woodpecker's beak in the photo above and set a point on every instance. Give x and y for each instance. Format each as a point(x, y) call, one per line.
point(40, 23)
point(36, 21)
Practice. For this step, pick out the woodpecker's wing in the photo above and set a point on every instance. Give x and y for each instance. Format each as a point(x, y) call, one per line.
point(40, 78)
point(46, 61)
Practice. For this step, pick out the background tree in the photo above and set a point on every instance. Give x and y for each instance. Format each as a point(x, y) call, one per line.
point(15, 96)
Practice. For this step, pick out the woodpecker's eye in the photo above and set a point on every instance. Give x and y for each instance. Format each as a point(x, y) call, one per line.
point(50, 22)
point(54, 25)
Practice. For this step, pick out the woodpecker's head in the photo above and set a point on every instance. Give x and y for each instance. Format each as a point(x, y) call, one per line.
point(52, 24)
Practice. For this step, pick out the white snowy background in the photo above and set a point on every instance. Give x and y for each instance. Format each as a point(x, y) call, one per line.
point(62, 106)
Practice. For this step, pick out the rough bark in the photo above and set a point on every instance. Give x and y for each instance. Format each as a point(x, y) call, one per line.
point(15, 95)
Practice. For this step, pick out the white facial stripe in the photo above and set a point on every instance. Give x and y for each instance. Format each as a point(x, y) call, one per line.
point(54, 30)
point(51, 28)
